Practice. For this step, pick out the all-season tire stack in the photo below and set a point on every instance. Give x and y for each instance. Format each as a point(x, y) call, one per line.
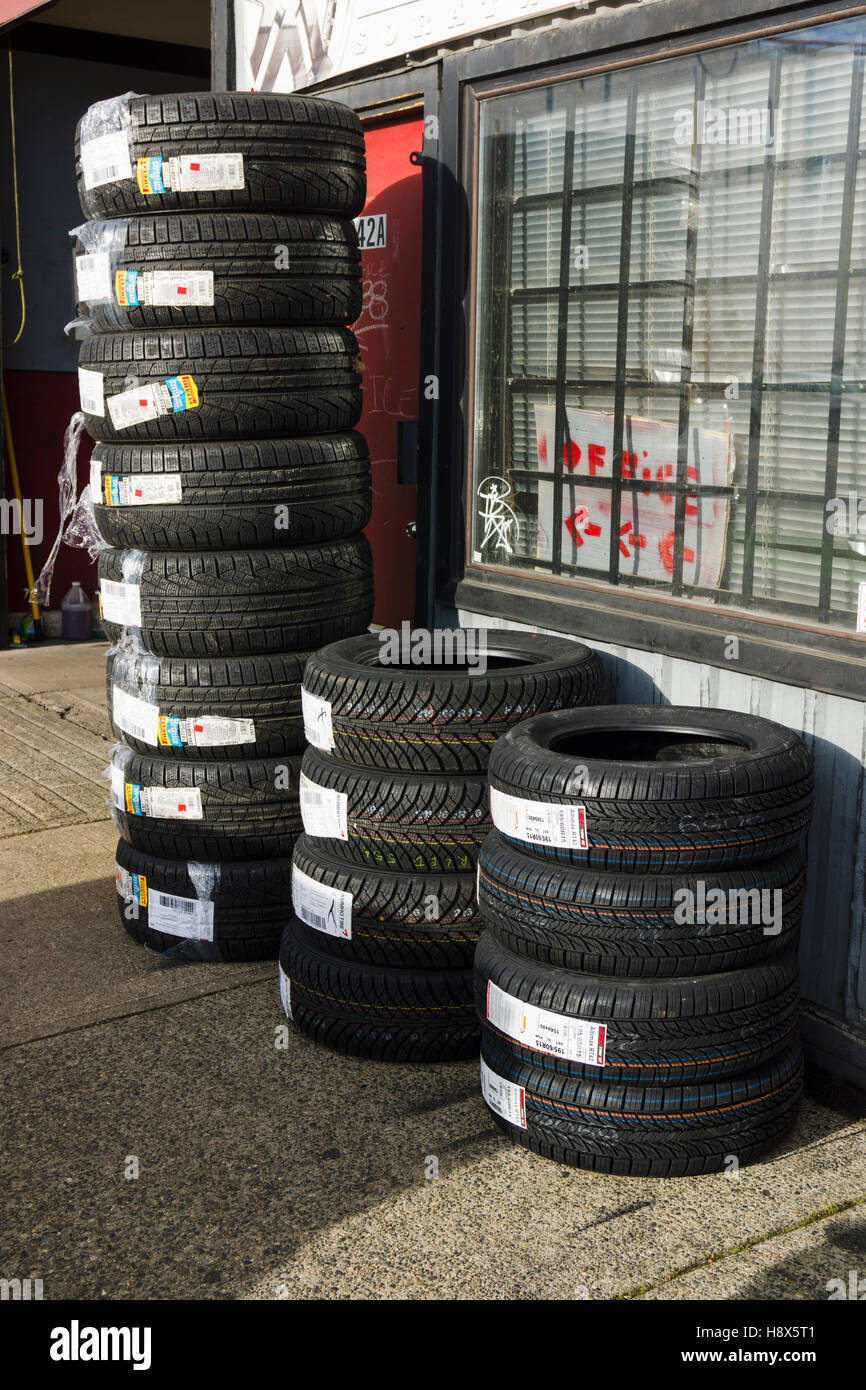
point(378, 961)
point(637, 978)
point(217, 272)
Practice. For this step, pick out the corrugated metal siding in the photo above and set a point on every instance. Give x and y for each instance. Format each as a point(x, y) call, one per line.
point(833, 942)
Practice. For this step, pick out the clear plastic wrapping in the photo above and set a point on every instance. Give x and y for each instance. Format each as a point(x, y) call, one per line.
point(77, 522)
point(105, 142)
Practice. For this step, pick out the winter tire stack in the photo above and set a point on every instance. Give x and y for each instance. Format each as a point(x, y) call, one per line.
point(637, 978)
point(216, 273)
point(378, 961)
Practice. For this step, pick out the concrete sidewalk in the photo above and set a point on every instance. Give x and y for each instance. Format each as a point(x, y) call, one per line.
point(296, 1173)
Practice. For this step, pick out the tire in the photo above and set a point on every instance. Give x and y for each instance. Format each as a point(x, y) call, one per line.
point(604, 923)
point(445, 719)
point(387, 914)
point(227, 383)
point(243, 603)
point(263, 269)
point(389, 1014)
point(299, 152)
point(649, 807)
point(416, 822)
point(683, 1029)
point(244, 907)
point(246, 495)
point(634, 1131)
point(234, 810)
point(264, 691)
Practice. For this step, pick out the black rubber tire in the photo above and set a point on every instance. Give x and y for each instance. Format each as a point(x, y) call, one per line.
point(245, 495)
point(321, 283)
point(389, 1014)
point(252, 383)
point(648, 808)
point(417, 822)
point(606, 923)
point(658, 1032)
point(249, 809)
point(263, 689)
point(650, 1131)
point(246, 603)
point(251, 905)
point(446, 719)
point(300, 152)
point(389, 925)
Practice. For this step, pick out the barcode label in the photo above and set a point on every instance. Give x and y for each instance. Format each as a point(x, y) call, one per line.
point(105, 159)
point(322, 907)
point(90, 392)
point(163, 803)
point(140, 490)
point(203, 173)
point(93, 277)
point(121, 603)
point(539, 822)
point(188, 917)
point(318, 726)
point(324, 812)
point(165, 288)
point(573, 1039)
point(134, 716)
point(506, 1098)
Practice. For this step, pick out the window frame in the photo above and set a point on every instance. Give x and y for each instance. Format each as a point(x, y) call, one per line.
point(774, 646)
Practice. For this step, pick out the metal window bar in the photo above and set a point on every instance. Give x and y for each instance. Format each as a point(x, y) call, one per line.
point(622, 328)
point(762, 299)
point(837, 384)
point(686, 342)
point(561, 433)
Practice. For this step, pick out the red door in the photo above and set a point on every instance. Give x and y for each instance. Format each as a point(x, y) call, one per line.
point(388, 333)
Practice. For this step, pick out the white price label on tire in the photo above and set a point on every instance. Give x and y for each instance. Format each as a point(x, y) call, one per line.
point(204, 173)
point(324, 812)
point(175, 289)
point(134, 716)
point(139, 404)
point(93, 277)
point(506, 1098)
point(121, 603)
point(539, 822)
point(177, 916)
point(573, 1039)
point(285, 993)
point(322, 907)
point(91, 392)
point(141, 490)
point(162, 803)
point(318, 726)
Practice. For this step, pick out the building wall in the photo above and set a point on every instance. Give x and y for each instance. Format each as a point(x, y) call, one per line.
point(833, 938)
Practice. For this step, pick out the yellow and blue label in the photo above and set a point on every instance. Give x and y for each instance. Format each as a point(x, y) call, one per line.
point(148, 173)
point(126, 288)
point(184, 393)
point(168, 731)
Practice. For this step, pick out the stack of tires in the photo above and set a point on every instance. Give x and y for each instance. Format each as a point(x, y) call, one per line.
point(637, 980)
point(378, 962)
point(217, 270)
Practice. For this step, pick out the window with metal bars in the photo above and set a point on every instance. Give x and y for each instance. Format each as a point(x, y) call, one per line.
point(670, 328)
